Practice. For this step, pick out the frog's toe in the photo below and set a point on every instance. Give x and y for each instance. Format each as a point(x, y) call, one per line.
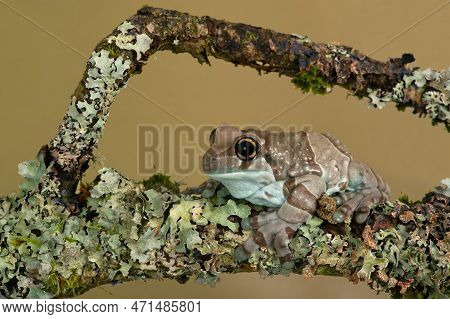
point(208, 193)
point(338, 217)
point(246, 224)
point(343, 197)
point(281, 244)
point(361, 216)
point(252, 244)
point(263, 237)
point(240, 254)
point(346, 210)
point(207, 189)
point(197, 190)
point(262, 219)
point(360, 205)
point(366, 205)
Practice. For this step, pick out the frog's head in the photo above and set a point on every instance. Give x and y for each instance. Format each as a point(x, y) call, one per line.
point(237, 159)
point(232, 150)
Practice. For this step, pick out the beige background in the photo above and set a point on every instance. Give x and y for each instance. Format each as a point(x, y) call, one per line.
point(38, 75)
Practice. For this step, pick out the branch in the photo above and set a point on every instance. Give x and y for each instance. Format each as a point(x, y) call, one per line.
point(131, 231)
point(59, 237)
point(314, 67)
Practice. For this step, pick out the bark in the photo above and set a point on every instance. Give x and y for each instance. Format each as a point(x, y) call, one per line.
point(59, 237)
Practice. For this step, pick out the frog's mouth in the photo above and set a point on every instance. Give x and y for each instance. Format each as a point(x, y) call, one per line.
point(242, 184)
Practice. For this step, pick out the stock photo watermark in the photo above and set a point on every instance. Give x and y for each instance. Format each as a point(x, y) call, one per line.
point(178, 149)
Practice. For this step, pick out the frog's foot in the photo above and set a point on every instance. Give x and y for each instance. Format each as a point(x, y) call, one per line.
point(270, 232)
point(206, 190)
point(358, 203)
point(259, 220)
point(275, 230)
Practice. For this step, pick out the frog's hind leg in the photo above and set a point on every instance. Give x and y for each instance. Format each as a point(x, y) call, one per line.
point(259, 220)
point(368, 190)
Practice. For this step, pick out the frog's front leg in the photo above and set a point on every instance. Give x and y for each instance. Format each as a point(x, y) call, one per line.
point(207, 189)
point(275, 230)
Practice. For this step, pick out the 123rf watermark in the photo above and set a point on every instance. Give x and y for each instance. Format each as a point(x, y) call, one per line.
point(178, 149)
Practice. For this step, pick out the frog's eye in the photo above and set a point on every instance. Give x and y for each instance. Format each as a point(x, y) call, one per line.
point(246, 148)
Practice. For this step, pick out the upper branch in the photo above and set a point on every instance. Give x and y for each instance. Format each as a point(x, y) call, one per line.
point(313, 66)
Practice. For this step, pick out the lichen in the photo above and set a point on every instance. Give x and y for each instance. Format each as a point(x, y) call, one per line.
point(437, 105)
point(444, 189)
point(378, 98)
point(127, 40)
point(32, 171)
point(336, 52)
point(221, 215)
point(87, 115)
point(301, 38)
point(431, 86)
point(129, 232)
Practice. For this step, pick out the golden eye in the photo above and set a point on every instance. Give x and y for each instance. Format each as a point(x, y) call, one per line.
point(246, 148)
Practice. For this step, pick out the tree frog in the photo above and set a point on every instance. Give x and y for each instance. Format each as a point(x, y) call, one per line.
point(288, 173)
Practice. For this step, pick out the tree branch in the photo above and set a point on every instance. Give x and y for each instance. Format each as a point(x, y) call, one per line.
point(313, 67)
point(59, 237)
point(130, 232)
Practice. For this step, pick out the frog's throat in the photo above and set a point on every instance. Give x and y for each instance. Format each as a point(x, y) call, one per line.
point(257, 186)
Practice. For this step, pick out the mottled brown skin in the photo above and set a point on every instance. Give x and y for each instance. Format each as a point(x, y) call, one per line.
point(289, 172)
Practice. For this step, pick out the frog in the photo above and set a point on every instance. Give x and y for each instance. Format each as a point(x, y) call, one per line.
point(287, 173)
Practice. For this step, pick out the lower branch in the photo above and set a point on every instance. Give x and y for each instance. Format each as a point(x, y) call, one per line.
point(130, 231)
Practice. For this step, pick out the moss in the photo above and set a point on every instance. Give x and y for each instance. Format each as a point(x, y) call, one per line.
point(250, 36)
point(61, 287)
point(159, 180)
point(113, 50)
point(325, 270)
point(404, 199)
point(312, 81)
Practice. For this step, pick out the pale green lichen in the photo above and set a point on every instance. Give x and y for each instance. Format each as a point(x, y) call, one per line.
point(86, 117)
point(421, 77)
point(336, 52)
point(128, 232)
point(301, 38)
point(378, 98)
point(220, 215)
point(126, 40)
point(444, 189)
point(32, 171)
point(437, 105)
point(433, 89)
